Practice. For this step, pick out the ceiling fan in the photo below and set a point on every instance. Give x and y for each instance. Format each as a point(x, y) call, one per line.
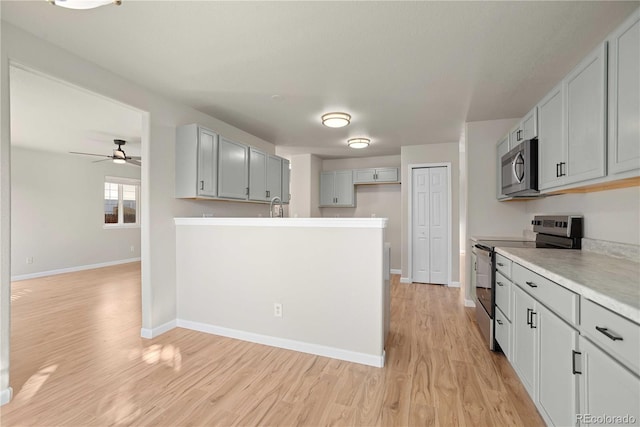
point(118, 156)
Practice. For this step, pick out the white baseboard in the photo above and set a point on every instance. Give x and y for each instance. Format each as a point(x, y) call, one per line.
point(454, 284)
point(159, 330)
point(469, 303)
point(5, 396)
point(304, 347)
point(405, 280)
point(71, 269)
point(396, 271)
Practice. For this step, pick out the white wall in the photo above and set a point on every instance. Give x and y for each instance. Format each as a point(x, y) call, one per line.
point(381, 200)
point(57, 212)
point(305, 186)
point(5, 221)
point(158, 171)
point(612, 215)
point(486, 216)
point(432, 153)
point(229, 278)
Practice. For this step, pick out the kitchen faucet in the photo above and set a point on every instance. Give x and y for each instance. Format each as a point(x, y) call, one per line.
point(273, 200)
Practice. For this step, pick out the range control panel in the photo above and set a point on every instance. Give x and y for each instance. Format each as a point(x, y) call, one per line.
point(558, 225)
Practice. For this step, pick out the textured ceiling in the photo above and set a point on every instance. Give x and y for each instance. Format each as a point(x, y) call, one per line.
point(408, 72)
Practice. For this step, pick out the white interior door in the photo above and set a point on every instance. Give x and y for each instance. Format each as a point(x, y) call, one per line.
point(430, 225)
point(420, 225)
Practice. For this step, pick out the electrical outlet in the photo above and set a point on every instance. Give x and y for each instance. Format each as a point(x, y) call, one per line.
point(29, 260)
point(133, 248)
point(277, 309)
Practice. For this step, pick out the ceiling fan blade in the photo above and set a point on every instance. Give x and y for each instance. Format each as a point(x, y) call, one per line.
point(103, 160)
point(88, 154)
point(133, 162)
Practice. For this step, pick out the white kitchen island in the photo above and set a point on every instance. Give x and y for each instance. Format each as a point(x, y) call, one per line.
point(330, 277)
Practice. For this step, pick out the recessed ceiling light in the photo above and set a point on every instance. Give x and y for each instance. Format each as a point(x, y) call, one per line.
point(358, 142)
point(83, 4)
point(336, 120)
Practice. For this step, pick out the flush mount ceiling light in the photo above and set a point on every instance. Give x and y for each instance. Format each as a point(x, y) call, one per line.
point(83, 4)
point(336, 120)
point(358, 142)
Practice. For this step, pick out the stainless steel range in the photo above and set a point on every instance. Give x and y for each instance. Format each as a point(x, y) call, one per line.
point(552, 231)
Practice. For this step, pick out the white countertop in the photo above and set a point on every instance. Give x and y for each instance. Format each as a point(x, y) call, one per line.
point(611, 282)
point(287, 222)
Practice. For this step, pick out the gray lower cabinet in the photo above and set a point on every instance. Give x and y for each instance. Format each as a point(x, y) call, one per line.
point(233, 170)
point(607, 387)
point(557, 383)
point(524, 338)
point(336, 189)
point(196, 162)
point(624, 96)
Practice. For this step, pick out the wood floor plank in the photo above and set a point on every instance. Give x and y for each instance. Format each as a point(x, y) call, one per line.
point(77, 359)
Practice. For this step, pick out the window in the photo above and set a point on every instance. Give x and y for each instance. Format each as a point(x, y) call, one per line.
point(121, 202)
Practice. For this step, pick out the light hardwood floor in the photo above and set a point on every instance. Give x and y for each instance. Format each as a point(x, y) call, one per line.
point(77, 359)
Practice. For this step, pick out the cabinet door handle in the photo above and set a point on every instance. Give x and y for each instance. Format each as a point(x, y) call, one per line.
point(531, 284)
point(557, 170)
point(529, 311)
point(518, 135)
point(202, 185)
point(475, 266)
point(609, 333)
point(500, 264)
point(499, 321)
point(500, 283)
point(532, 324)
point(268, 193)
point(246, 191)
point(562, 173)
point(573, 362)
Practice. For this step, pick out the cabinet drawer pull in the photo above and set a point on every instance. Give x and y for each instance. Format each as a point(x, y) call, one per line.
point(529, 311)
point(500, 264)
point(609, 334)
point(499, 321)
point(573, 362)
point(533, 285)
point(500, 283)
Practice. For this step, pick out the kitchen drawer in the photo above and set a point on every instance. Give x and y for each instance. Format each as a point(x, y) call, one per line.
point(503, 333)
point(503, 294)
point(503, 265)
point(615, 334)
point(558, 299)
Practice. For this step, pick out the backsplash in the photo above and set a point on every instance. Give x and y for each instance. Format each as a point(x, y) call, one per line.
point(612, 249)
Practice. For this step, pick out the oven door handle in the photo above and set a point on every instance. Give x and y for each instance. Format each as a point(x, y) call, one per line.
point(483, 247)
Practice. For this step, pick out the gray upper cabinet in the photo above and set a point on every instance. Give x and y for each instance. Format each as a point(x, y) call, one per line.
point(265, 176)
point(551, 139)
point(274, 177)
point(257, 175)
point(336, 189)
point(286, 177)
point(585, 116)
point(526, 129)
point(624, 96)
point(196, 162)
point(501, 150)
point(375, 175)
point(233, 169)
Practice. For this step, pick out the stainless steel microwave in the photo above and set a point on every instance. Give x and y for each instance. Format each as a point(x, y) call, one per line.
point(520, 170)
